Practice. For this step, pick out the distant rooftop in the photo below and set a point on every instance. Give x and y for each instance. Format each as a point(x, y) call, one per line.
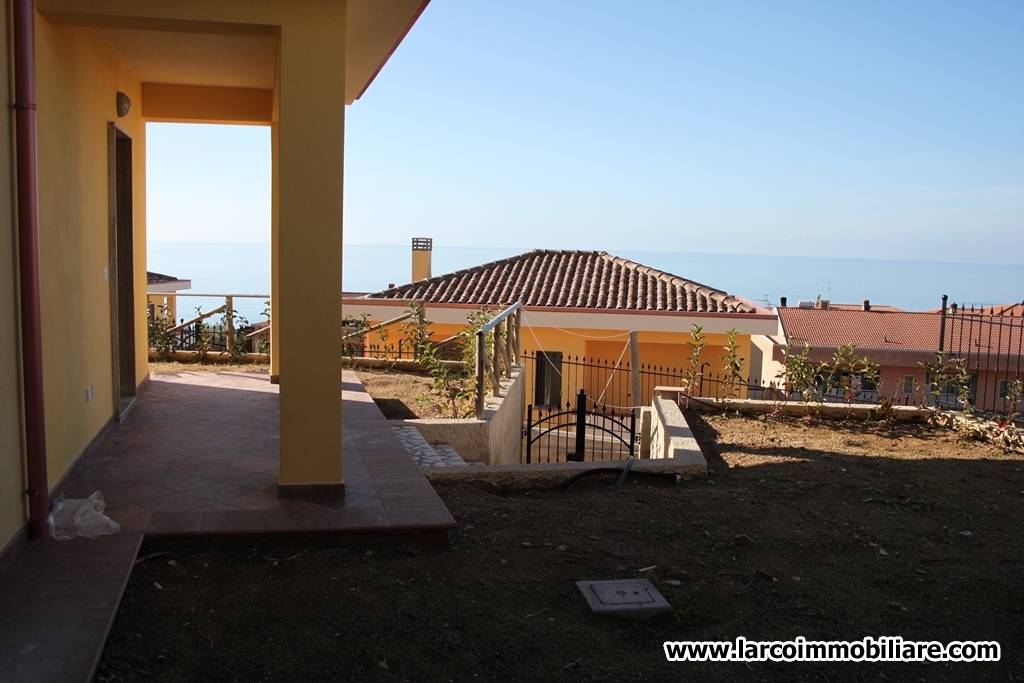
point(593, 280)
point(834, 327)
point(165, 283)
point(909, 330)
point(159, 278)
point(860, 307)
point(1015, 310)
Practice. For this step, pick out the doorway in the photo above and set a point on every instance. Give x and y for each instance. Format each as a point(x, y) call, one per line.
point(122, 270)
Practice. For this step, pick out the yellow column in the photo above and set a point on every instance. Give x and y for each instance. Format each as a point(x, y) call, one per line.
point(310, 167)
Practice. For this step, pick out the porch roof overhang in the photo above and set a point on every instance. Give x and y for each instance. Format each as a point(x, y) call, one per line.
point(168, 287)
point(230, 52)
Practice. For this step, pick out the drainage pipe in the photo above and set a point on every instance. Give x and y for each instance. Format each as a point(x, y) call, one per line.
point(28, 266)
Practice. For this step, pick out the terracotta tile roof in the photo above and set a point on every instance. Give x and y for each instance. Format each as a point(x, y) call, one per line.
point(569, 279)
point(159, 278)
point(965, 334)
point(860, 307)
point(981, 334)
point(869, 329)
point(1015, 310)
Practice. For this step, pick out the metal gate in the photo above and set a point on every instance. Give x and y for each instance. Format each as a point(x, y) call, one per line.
point(577, 434)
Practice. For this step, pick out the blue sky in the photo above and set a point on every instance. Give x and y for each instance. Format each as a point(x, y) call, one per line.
point(868, 129)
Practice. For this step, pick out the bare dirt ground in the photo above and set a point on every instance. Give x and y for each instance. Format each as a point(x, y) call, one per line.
point(403, 395)
point(830, 531)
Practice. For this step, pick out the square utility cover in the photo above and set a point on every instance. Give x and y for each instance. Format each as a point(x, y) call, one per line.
point(625, 598)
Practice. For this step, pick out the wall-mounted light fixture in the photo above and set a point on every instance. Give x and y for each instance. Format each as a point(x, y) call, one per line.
point(124, 104)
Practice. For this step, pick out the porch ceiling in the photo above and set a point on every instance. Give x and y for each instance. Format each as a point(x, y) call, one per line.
point(176, 49)
point(245, 61)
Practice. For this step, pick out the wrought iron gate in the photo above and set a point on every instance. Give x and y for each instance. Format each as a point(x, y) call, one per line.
point(577, 434)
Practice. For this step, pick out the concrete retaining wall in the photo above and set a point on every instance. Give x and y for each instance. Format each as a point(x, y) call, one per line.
point(495, 440)
point(505, 414)
point(671, 436)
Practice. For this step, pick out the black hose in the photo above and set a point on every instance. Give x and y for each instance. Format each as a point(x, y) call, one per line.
point(616, 470)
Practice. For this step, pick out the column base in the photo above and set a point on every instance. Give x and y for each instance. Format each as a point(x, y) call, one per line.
point(311, 491)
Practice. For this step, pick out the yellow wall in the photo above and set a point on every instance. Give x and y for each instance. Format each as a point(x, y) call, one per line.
point(78, 77)
point(12, 475)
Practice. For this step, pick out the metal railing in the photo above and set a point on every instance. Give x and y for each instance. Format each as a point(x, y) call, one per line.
point(991, 347)
point(505, 328)
point(233, 332)
point(610, 385)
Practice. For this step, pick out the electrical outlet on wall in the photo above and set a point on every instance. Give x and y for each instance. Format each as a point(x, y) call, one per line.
point(88, 393)
point(106, 273)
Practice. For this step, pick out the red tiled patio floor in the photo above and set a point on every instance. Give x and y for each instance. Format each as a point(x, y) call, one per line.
point(197, 457)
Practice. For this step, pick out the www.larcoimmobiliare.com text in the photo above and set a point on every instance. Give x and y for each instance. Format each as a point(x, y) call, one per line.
point(883, 649)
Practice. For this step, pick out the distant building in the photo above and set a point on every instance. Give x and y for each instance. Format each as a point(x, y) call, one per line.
point(578, 304)
point(158, 287)
point(900, 342)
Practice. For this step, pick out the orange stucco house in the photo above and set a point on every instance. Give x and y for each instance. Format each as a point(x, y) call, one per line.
point(578, 304)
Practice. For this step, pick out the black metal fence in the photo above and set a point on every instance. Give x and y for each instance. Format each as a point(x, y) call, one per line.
point(213, 338)
point(992, 349)
point(553, 379)
point(403, 349)
point(577, 434)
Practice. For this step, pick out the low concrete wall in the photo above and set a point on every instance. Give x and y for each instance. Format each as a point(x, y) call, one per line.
point(833, 411)
point(671, 436)
point(541, 476)
point(495, 440)
point(505, 433)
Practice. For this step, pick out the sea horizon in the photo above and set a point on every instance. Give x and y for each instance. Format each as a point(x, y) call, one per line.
point(244, 268)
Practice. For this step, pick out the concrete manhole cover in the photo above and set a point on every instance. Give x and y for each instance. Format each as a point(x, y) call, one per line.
point(625, 598)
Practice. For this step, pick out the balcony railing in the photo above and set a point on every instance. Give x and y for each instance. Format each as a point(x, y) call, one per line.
point(232, 334)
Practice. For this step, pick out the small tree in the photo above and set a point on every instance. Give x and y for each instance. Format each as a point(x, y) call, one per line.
point(231, 320)
point(694, 374)
point(417, 329)
point(204, 337)
point(159, 325)
point(798, 372)
point(733, 365)
point(949, 373)
point(1012, 399)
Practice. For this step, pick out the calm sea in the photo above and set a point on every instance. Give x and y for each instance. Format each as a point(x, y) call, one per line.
point(912, 285)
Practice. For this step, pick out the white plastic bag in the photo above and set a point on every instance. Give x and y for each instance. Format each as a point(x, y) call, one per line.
point(75, 517)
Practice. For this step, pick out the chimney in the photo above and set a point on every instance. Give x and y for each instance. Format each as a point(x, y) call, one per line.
point(782, 302)
point(422, 249)
point(867, 305)
point(952, 307)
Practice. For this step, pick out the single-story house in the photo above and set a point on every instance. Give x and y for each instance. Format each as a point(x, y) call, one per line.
point(578, 306)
